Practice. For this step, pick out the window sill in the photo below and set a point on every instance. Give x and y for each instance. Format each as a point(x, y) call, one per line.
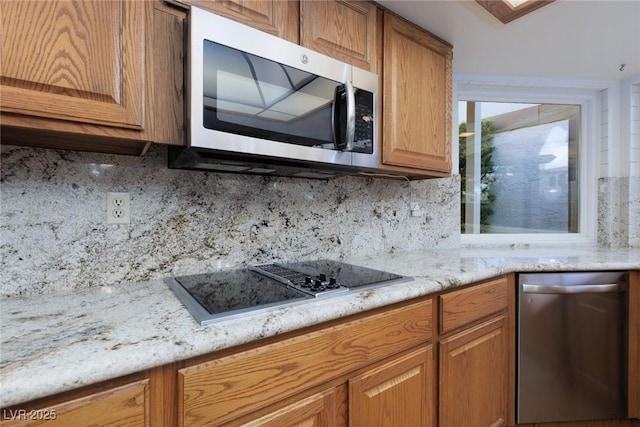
point(526, 240)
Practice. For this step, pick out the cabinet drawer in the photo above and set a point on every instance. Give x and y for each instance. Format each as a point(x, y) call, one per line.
point(127, 405)
point(221, 390)
point(468, 305)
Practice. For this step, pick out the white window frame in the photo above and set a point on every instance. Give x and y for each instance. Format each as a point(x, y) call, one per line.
point(530, 91)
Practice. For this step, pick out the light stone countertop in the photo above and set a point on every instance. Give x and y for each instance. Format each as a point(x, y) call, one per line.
point(58, 342)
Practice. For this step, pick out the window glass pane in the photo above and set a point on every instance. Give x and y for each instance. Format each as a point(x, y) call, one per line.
point(519, 167)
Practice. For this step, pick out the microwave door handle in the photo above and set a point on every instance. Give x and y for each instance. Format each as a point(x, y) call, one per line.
point(336, 115)
point(574, 289)
point(351, 116)
point(344, 114)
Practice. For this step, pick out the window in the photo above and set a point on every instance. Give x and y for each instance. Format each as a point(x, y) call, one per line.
point(527, 176)
point(527, 173)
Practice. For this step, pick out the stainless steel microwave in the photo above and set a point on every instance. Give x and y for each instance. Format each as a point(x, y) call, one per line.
point(260, 104)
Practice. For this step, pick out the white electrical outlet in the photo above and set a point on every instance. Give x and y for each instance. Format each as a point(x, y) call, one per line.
point(416, 211)
point(118, 208)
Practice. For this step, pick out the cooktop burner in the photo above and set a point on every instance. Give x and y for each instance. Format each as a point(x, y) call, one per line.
point(221, 294)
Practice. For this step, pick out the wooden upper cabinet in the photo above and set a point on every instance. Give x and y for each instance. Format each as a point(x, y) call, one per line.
point(345, 30)
point(75, 60)
point(81, 75)
point(417, 100)
point(277, 17)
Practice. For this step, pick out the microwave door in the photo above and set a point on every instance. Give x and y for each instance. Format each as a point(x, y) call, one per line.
point(344, 117)
point(245, 94)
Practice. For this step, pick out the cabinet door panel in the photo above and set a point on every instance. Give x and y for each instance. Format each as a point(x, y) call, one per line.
point(417, 98)
point(127, 405)
point(319, 410)
point(277, 17)
point(398, 393)
point(345, 30)
point(81, 61)
point(474, 376)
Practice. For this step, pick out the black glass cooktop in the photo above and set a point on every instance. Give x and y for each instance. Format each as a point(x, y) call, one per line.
point(349, 275)
point(218, 292)
point(221, 294)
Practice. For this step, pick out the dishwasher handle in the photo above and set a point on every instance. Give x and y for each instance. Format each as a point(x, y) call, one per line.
point(573, 289)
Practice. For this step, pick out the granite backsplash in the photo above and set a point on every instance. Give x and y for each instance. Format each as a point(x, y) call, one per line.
point(55, 236)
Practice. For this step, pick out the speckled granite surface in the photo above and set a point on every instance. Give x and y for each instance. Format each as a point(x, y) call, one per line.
point(63, 341)
point(55, 236)
point(619, 212)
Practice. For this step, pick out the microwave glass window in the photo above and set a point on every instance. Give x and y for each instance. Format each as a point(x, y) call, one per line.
point(249, 95)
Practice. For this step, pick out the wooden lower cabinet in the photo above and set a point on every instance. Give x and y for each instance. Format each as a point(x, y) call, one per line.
point(324, 409)
point(126, 405)
point(463, 307)
point(474, 376)
point(476, 354)
point(225, 390)
point(398, 393)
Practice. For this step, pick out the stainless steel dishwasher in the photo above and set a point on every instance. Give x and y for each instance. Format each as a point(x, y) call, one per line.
point(572, 346)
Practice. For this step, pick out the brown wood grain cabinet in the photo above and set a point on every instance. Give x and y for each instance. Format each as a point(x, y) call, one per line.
point(465, 306)
point(474, 376)
point(280, 18)
point(223, 390)
point(124, 405)
point(345, 30)
point(74, 69)
point(324, 409)
point(398, 393)
point(416, 100)
point(475, 352)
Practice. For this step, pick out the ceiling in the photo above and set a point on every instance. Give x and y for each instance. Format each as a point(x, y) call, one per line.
point(567, 39)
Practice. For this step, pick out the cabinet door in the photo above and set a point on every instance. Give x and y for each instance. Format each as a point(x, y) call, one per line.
point(220, 390)
point(398, 393)
point(474, 375)
point(127, 405)
point(278, 17)
point(345, 30)
point(82, 61)
point(324, 409)
point(416, 100)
